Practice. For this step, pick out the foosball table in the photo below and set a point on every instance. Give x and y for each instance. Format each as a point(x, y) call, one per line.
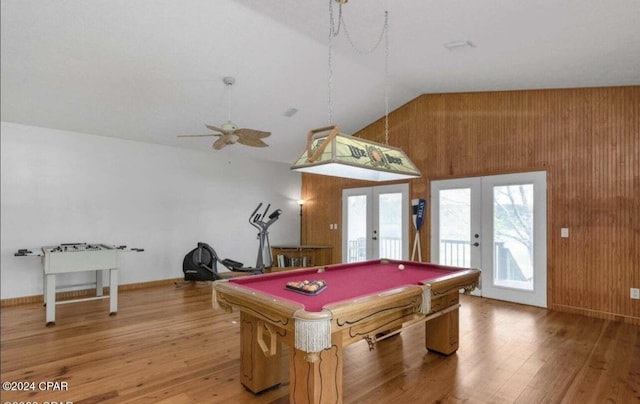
point(78, 257)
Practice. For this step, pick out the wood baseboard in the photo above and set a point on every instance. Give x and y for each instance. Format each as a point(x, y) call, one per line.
point(78, 294)
point(596, 314)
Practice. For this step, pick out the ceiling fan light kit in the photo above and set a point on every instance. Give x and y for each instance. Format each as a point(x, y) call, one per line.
point(229, 133)
point(340, 155)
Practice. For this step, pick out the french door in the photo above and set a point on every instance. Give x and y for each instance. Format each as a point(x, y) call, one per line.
point(375, 222)
point(497, 224)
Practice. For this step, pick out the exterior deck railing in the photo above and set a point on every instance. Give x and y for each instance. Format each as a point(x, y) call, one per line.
point(452, 252)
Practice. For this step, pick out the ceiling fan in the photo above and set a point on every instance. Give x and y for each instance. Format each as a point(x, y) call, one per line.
point(229, 133)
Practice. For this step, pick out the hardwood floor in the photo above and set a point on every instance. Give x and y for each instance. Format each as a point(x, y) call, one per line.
point(167, 345)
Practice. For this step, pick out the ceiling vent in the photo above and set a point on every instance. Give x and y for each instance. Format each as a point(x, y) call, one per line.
point(290, 112)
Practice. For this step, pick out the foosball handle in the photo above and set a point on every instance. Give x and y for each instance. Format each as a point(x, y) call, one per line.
point(22, 252)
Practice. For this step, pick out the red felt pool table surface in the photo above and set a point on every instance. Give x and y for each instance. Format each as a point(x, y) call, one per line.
point(346, 281)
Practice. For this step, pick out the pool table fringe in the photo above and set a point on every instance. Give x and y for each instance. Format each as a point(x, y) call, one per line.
point(425, 306)
point(312, 335)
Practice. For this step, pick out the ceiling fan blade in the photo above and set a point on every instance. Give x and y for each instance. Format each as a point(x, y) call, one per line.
point(209, 135)
point(215, 129)
point(219, 144)
point(257, 134)
point(251, 141)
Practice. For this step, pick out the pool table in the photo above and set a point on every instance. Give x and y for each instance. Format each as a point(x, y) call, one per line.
point(368, 300)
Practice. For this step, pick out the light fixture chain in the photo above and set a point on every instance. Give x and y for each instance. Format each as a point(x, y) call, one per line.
point(386, 77)
point(330, 80)
point(384, 34)
point(353, 45)
point(230, 90)
point(336, 31)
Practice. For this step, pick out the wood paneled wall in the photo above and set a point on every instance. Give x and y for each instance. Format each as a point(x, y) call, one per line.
point(588, 141)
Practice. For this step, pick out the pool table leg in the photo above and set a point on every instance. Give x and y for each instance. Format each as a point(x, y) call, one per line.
point(258, 371)
point(441, 333)
point(320, 381)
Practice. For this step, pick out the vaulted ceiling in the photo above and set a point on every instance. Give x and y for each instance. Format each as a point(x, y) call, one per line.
point(149, 70)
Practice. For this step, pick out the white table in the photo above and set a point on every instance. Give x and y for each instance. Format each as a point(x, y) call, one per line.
point(78, 257)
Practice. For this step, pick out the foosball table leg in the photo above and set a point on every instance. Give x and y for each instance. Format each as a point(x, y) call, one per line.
point(113, 291)
point(50, 298)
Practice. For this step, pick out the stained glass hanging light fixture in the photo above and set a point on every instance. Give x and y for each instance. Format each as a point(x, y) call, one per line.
point(330, 152)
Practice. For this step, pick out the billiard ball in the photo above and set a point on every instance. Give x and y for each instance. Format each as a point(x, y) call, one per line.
point(401, 267)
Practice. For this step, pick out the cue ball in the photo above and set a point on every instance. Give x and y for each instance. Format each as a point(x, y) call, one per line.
point(401, 267)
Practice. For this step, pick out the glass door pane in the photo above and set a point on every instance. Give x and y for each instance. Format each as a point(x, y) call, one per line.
point(513, 236)
point(455, 227)
point(514, 253)
point(456, 223)
point(356, 228)
point(390, 226)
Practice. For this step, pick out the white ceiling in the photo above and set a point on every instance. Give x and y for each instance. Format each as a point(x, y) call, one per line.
point(149, 70)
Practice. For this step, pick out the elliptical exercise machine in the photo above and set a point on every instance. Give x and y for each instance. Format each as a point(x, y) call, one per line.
point(200, 264)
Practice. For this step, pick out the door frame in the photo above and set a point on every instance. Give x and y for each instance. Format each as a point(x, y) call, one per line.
point(538, 296)
point(482, 224)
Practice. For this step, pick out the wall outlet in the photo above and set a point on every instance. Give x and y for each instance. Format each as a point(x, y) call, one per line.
point(634, 293)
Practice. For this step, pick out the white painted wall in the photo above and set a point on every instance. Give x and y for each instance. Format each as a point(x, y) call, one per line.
point(64, 187)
